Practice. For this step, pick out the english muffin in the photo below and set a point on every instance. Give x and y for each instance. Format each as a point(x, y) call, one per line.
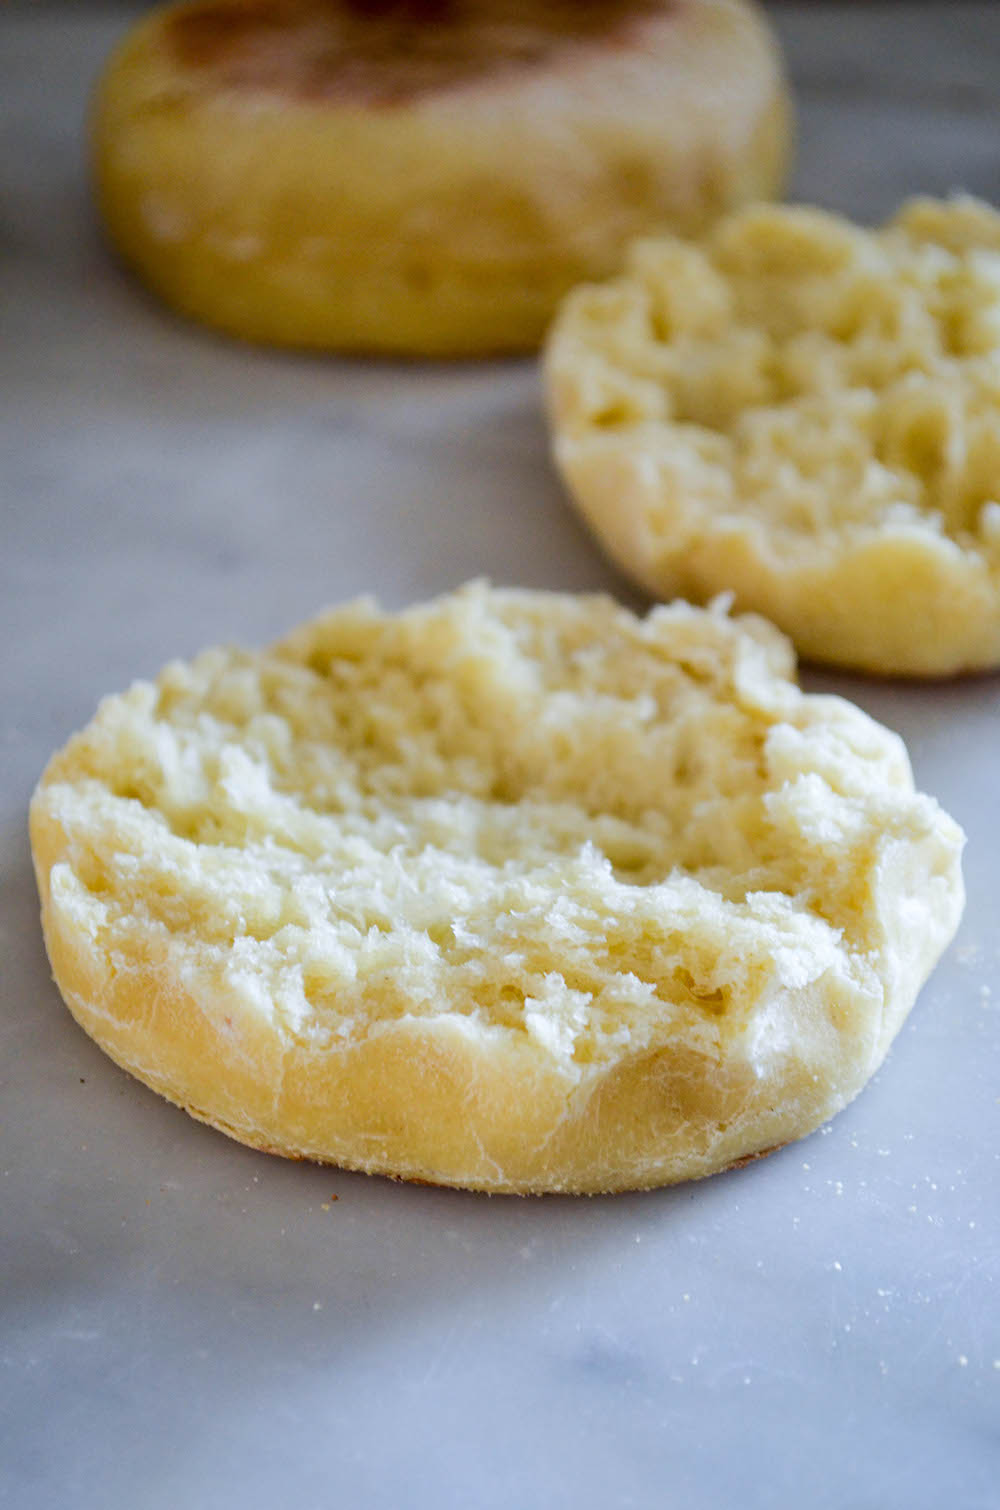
point(512, 891)
point(804, 413)
point(424, 177)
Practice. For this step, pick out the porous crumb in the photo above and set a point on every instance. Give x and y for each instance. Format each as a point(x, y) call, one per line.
point(807, 413)
point(430, 892)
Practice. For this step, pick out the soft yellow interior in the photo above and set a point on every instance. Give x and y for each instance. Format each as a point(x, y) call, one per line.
point(538, 811)
point(821, 377)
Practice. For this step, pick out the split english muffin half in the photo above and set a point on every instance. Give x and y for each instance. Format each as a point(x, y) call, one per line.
point(512, 891)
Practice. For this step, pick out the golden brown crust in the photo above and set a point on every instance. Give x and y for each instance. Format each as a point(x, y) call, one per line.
point(390, 53)
point(289, 175)
point(751, 1158)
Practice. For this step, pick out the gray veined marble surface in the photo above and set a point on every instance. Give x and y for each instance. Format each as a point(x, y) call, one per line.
point(187, 1323)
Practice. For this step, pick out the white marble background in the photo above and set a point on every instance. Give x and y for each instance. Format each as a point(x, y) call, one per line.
point(187, 1323)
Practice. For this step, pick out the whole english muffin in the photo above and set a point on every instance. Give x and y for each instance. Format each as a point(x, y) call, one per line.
point(512, 891)
point(423, 176)
point(805, 413)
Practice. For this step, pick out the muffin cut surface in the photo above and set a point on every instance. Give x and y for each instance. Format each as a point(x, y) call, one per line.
point(512, 891)
point(806, 413)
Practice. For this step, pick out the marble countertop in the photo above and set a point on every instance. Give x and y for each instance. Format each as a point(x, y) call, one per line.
point(186, 1322)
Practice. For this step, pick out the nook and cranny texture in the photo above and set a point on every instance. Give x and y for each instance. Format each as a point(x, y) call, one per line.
point(513, 891)
point(807, 414)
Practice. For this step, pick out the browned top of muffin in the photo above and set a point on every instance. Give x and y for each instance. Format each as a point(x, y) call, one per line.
point(392, 52)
